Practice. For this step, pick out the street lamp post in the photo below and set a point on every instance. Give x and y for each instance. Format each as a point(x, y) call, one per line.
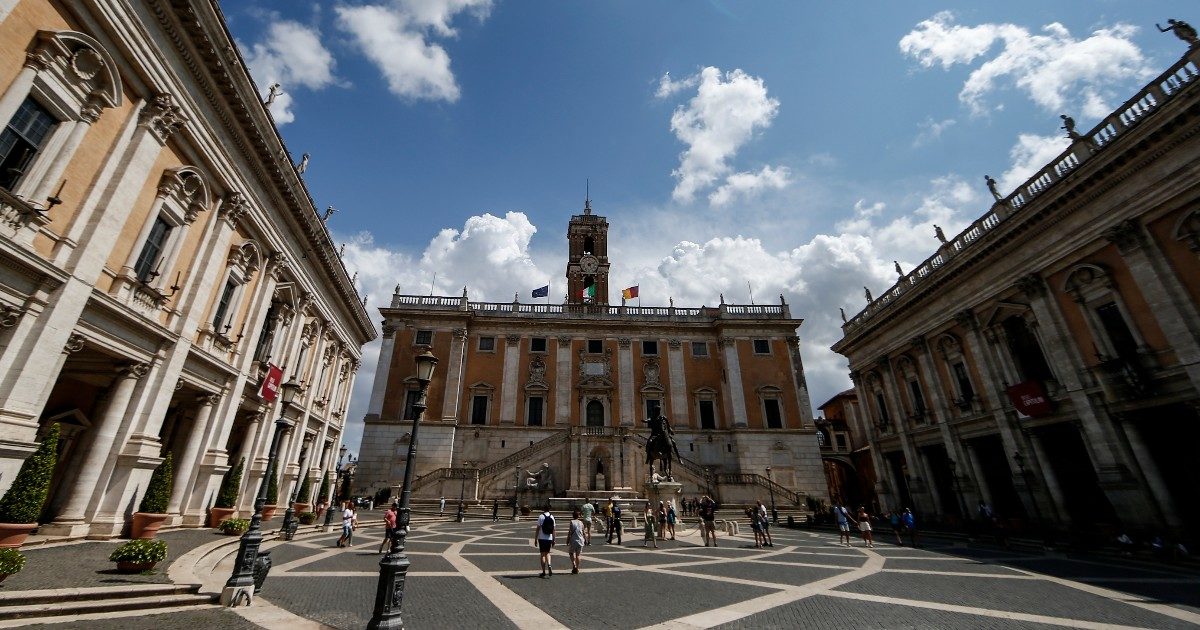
point(393, 568)
point(462, 484)
point(239, 588)
point(771, 489)
point(335, 491)
point(708, 482)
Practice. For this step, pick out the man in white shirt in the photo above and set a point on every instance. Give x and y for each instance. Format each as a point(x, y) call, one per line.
point(348, 518)
point(543, 538)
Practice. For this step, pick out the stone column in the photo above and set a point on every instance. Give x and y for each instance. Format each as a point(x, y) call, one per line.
point(1053, 495)
point(184, 466)
point(562, 382)
point(452, 394)
point(19, 89)
point(1168, 299)
point(99, 449)
point(1154, 480)
point(733, 370)
point(803, 401)
point(678, 383)
point(508, 387)
point(382, 369)
point(625, 389)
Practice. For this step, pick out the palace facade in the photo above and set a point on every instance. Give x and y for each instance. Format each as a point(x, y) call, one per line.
point(570, 385)
point(1046, 361)
point(159, 253)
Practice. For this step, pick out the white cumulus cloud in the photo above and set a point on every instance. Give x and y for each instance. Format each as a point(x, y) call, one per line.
point(292, 55)
point(725, 113)
point(743, 185)
point(1029, 155)
point(398, 37)
point(1055, 69)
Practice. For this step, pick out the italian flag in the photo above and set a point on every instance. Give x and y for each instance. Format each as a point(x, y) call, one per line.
point(588, 292)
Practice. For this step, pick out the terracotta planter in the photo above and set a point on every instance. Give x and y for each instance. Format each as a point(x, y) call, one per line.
point(216, 515)
point(13, 534)
point(269, 511)
point(301, 507)
point(146, 524)
point(135, 567)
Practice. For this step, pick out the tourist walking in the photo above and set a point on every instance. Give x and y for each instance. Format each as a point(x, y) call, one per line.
point(864, 526)
point(389, 527)
point(910, 525)
point(708, 517)
point(349, 523)
point(755, 527)
point(495, 510)
point(575, 539)
point(586, 513)
point(661, 516)
point(613, 511)
point(894, 520)
point(543, 539)
point(766, 525)
point(843, 518)
point(649, 527)
point(671, 518)
point(442, 505)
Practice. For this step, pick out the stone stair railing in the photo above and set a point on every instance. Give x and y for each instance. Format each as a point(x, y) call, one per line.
point(505, 463)
point(755, 479)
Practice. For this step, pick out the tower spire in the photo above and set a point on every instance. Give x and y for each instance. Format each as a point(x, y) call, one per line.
point(587, 196)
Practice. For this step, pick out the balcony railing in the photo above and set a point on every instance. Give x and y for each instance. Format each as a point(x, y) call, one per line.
point(597, 311)
point(1178, 78)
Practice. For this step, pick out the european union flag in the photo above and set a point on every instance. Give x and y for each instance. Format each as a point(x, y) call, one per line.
point(542, 292)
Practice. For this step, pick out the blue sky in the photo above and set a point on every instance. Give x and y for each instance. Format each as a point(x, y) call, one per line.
point(798, 146)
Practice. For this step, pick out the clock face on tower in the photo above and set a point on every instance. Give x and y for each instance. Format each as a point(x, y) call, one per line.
point(589, 264)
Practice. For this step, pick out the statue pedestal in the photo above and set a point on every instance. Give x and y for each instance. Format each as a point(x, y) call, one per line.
point(665, 491)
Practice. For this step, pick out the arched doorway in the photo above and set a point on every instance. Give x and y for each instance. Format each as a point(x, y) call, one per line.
point(595, 414)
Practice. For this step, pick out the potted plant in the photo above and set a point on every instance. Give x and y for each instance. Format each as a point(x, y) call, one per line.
point(228, 494)
point(22, 504)
point(307, 518)
point(323, 494)
point(234, 526)
point(11, 561)
point(140, 555)
point(152, 511)
point(272, 496)
point(302, 503)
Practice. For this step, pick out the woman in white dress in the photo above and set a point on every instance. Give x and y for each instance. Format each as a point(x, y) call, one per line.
point(864, 526)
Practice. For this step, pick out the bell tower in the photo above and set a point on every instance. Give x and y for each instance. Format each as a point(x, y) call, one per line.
point(587, 258)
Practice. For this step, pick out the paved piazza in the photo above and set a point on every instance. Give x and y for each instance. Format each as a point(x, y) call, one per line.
point(486, 575)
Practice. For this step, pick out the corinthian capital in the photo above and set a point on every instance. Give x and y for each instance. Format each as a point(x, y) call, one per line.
point(161, 117)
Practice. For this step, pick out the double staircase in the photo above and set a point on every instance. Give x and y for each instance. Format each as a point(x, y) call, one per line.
point(492, 470)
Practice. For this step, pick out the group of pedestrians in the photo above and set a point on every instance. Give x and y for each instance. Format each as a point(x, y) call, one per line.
point(901, 522)
point(544, 537)
point(760, 524)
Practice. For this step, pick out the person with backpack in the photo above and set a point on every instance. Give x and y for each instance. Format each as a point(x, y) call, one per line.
point(910, 525)
point(708, 517)
point(543, 538)
point(671, 518)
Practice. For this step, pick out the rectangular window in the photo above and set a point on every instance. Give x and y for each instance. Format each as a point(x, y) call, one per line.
point(595, 346)
point(762, 346)
point(487, 344)
point(918, 399)
point(841, 441)
point(534, 411)
point(479, 409)
point(223, 304)
point(1117, 330)
point(884, 418)
point(424, 338)
point(650, 348)
point(708, 415)
point(152, 250)
point(537, 344)
point(653, 407)
point(410, 399)
point(700, 349)
point(774, 417)
point(964, 382)
point(21, 139)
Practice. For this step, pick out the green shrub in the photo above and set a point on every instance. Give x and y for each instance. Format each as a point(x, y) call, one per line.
point(272, 487)
point(234, 525)
point(140, 551)
point(323, 493)
point(227, 496)
point(11, 561)
point(158, 491)
point(305, 490)
point(307, 518)
point(23, 501)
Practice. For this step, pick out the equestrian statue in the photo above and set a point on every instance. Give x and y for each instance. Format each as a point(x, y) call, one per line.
point(661, 446)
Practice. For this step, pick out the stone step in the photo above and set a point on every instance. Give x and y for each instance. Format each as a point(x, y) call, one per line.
point(82, 601)
point(84, 607)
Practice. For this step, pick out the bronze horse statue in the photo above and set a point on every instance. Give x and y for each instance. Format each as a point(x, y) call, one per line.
point(661, 446)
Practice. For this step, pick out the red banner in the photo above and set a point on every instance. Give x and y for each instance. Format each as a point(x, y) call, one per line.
point(1030, 399)
point(270, 384)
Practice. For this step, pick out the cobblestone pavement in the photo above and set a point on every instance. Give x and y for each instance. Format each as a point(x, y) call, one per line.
point(486, 575)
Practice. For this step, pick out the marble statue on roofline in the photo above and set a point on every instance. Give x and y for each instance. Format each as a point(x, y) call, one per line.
point(1182, 30)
